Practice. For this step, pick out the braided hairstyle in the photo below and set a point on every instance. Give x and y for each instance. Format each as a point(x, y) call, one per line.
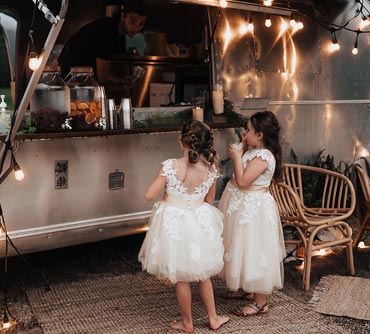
point(267, 123)
point(198, 138)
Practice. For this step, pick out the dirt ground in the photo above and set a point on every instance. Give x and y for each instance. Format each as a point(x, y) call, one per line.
point(117, 256)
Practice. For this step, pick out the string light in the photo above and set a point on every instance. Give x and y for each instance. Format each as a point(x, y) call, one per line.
point(300, 23)
point(34, 59)
point(361, 245)
point(268, 21)
point(18, 173)
point(223, 3)
point(355, 47)
point(250, 27)
point(334, 46)
point(292, 21)
point(267, 2)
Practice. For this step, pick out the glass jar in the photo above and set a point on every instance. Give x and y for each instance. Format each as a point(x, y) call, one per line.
point(50, 103)
point(86, 99)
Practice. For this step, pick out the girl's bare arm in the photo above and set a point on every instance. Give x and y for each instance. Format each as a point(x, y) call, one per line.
point(156, 187)
point(245, 177)
point(210, 197)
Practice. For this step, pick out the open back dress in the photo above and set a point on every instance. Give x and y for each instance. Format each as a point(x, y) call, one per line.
point(184, 240)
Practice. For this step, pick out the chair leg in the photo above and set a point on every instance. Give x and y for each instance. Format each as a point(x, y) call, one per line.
point(350, 261)
point(307, 270)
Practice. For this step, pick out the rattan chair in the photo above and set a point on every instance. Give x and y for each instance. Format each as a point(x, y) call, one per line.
point(337, 203)
point(365, 187)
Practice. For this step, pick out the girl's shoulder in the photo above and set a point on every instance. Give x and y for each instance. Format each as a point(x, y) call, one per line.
point(168, 167)
point(263, 153)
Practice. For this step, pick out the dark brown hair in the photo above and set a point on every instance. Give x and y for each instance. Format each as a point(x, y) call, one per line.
point(198, 138)
point(267, 123)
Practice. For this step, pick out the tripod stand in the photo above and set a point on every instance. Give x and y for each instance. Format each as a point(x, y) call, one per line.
point(8, 319)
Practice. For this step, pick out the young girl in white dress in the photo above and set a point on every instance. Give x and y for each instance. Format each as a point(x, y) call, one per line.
point(253, 236)
point(184, 242)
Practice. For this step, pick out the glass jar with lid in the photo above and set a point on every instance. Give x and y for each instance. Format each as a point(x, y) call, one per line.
point(50, 103)
point(86, 99)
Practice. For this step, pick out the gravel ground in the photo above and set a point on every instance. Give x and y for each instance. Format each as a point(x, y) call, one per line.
point(117, 256)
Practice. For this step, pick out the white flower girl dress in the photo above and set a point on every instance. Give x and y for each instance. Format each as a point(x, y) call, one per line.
point(184, 240)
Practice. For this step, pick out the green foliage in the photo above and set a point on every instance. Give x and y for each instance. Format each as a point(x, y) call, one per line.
point(312, 182)
point(322, 161)
point(232, 115)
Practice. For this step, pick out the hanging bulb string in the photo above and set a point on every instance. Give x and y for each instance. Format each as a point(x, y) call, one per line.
point(31, 47)
point(8, 148)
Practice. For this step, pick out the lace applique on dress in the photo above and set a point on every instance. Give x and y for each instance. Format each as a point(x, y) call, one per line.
point(171, 219)
point(235, 200)
point(175, 186)
point(155, 247)
point(204, 217)
point(265, 178)
point(172, 183)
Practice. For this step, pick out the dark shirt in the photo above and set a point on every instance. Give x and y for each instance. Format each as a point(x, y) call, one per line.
point(98, 39)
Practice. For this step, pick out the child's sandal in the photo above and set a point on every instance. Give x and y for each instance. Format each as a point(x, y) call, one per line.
point(256, 308)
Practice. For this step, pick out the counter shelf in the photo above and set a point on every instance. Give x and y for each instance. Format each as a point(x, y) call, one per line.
point(100, 133)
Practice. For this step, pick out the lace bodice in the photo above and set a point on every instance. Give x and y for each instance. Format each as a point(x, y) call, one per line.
point(175, 187)
point(265, 178)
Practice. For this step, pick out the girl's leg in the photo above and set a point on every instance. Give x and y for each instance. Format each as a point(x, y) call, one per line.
point(260, 298)
point(250, 309)
point(183, 293)
point(206, 293)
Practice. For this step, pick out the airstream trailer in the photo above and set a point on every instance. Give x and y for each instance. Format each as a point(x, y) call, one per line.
point(83, 186)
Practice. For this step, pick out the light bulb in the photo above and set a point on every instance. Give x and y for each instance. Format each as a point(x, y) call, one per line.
point(243, 29)
point(268, 21)
point(6, 325)
point(34, 62)
point(355, 47)
point(267, 2)
point(250, 26)
point(19, 175)
point(361, 244)
point(300, 24)
point(223, 3)
point(334, 47)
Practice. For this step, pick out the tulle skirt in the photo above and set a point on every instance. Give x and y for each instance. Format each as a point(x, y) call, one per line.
point(253, 241)
point(183, 244)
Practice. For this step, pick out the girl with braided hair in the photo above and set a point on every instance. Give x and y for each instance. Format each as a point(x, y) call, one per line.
point(184, 242)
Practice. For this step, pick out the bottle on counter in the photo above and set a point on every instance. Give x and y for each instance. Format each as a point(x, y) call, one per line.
point(50, 103)
point(86, 99)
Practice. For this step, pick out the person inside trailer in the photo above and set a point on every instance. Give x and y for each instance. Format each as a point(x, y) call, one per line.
point(95, 44)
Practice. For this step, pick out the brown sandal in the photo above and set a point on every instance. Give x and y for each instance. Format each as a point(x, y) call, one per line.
point(239, 294)
point(257, 309)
